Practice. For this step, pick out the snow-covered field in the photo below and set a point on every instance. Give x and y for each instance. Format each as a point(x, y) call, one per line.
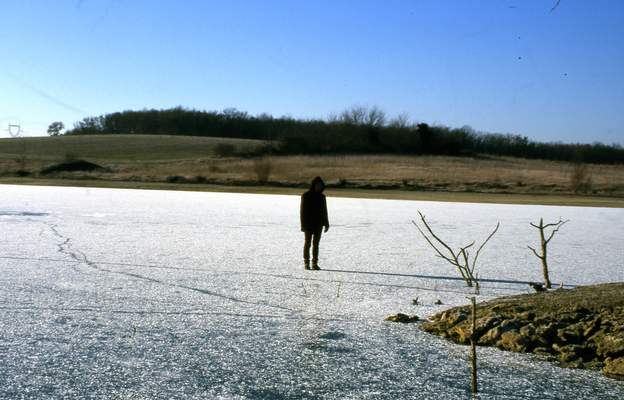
point(127, 294)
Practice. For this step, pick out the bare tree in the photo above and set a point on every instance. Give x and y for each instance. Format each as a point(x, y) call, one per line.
point(262, 167)
point(544, 244)
point(358, 115)
point(355, 115)
point(375, 117)
point(400, 121)
point(461, 258)
point(580, 178)
point(333, 118)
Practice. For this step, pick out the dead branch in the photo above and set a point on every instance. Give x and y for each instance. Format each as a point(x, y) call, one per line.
point(558, 226)
point(544, 240)
point(534, 252)
point(461, 258)
point(474, 260)
point(422, 217)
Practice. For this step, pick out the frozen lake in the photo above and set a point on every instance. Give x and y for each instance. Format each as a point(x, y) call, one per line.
point(126, 294)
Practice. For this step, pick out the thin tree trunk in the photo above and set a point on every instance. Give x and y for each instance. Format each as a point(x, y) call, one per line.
point(544, 245)
point(547, 283)
point(473, 347)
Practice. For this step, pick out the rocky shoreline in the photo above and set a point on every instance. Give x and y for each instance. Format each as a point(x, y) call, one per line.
point(578, 328)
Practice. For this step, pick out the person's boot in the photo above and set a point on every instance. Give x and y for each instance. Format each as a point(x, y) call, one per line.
point(315, 266)
point(306, 264)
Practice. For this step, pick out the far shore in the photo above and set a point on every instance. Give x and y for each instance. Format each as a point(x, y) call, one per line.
point(166, 162)
point(389, 194)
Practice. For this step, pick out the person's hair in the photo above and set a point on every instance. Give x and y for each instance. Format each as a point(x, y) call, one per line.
point(316, 180)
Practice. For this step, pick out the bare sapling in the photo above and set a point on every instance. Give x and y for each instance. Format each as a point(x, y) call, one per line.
point(544, 240)
point(580, 178)
point(460, 258)
point(262, 167)
point(473, 347)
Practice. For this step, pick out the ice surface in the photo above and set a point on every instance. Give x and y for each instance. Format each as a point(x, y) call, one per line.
point(123, 294)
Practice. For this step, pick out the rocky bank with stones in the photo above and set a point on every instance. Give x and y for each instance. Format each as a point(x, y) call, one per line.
point(578, 328)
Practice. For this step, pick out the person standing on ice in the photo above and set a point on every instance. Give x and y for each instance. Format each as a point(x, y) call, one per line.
point(314, 218)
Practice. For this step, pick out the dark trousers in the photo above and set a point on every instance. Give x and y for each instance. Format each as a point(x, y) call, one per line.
point(311, 238)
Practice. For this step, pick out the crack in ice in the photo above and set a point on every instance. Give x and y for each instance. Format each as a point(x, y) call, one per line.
point(80, 257)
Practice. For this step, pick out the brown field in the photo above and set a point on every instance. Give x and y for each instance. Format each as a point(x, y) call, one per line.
point(143, 159)
point(420, 172)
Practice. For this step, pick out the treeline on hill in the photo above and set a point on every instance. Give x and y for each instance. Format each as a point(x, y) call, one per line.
point(356, 130)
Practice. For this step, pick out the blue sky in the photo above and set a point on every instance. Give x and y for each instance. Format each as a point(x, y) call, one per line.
point(499, 66)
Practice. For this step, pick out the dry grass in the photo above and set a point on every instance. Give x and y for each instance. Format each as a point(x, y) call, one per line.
point(120, 148)
point(425, 172)
point(139, 158)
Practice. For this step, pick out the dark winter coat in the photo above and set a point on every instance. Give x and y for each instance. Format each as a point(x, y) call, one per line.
point(314, 209)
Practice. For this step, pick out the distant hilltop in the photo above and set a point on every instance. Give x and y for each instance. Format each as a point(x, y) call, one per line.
point(358, 130)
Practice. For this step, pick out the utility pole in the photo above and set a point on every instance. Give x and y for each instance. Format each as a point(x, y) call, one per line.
point(14, 130)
